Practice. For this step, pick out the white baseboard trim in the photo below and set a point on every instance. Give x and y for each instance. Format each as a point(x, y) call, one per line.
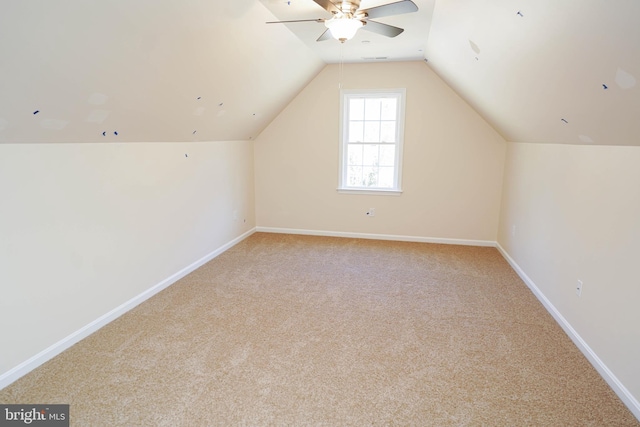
point(376, 236)
point(57, 348)
point(623, 393)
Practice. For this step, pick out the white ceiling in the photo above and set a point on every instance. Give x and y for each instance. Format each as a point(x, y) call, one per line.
point(526, 65)
point(150, 70)
point(160, 70)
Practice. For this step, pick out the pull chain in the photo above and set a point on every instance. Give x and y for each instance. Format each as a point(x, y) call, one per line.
point(341, 66)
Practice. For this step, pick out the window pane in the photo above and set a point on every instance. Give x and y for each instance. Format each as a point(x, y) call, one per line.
point(371, 131)
point(388, 108)
point(372, 109)
point(370, 157)
point(354, 176)
point(356, 131)
point(370, 176)
point(387, 155)
point(354, 154)
point(387, 131)
point(385, 179)
point(370, 140)
point(356, 109)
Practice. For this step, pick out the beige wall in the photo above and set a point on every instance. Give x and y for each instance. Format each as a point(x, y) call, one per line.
point(453, 162)
point(86, 227)
point(576, 210)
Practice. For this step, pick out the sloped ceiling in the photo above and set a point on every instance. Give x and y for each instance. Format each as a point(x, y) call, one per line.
point(544, 70)
point(161, 70)
point(148, 70)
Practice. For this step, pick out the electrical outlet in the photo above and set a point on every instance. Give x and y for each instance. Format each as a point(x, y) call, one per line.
point(371, 212)
point(513, 231)
point(235, 215)
point(579, 288)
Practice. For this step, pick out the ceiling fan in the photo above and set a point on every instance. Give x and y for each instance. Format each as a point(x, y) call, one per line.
point(348, 18)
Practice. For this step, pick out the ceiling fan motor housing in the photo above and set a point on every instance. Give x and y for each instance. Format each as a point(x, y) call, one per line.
point(350, 7)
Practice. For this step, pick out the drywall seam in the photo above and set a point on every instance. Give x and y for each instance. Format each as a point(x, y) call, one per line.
point(49, 353)
point(623, 393)
point(377, 236)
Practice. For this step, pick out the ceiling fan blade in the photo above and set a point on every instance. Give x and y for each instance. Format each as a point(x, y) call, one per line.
point(384, 29)
point(397, 8)
point(297, 20)
point(325, 36)
point(328, 6)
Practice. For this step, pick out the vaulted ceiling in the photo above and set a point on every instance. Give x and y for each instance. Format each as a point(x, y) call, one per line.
point(159, 70)
point(544, 70)
point(148, 70)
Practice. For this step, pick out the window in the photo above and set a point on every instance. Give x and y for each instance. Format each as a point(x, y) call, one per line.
point(371, 140)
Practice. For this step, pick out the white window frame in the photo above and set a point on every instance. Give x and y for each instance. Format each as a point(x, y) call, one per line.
point(345, 96)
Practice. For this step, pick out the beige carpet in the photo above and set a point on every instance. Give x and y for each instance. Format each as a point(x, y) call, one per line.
point(295, 330)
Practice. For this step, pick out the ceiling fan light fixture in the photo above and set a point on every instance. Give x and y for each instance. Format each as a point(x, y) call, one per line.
point(343, 28)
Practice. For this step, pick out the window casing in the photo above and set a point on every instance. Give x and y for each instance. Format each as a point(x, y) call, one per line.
point(371, 137)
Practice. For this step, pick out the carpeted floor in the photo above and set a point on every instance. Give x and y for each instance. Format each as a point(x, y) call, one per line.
point(299, 330)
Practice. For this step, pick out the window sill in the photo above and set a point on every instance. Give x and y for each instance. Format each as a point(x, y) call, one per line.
point(369, 191)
